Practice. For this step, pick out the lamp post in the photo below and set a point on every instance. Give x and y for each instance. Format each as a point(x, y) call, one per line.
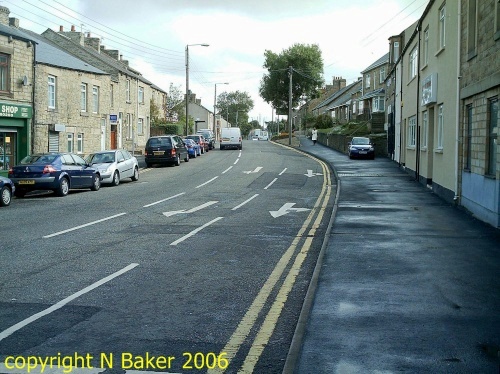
point(215, 103)
point(187, 82)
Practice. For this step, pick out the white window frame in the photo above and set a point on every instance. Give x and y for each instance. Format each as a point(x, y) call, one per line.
point(360, 106)
point(129, 126)
point(412, 131)
point(425, 129)
point(367, 80)
point(396, 51)
point(382, 75)
point(140, 126)
point(51, 92)
point(141, 95)
point(71, 142)
point(112, 96)
point(95, 99)
point(83, 97)
point(413, 67)
point(378, 103)
point(442, 26)
point(79, 143)
point(426, 46)
point(127, 91)
point(440, 127)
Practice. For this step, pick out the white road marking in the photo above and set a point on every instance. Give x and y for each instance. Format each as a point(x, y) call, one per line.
point(180, 240)
point(161, 201)
point(285, 209)
point(311, 174)
point(192, 210)
point(207, 182)
point(256, 170)
point(283, 171)
point(244, 202)
point(82, 226)
point(4, 334)
point(229, 168)
point(239, 154)
point(270, 184)
point(236, 161)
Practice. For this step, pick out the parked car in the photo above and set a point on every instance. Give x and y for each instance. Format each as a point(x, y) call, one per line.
point(209, 137)
point(200, 139)
point(7, 188)
point(165, 149)
point(58, 172)
point(230, 137)
point(193, 148)
point(361, 147)
point(114, 165)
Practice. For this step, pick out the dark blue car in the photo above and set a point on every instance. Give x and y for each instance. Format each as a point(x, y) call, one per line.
point(58, 172)
point(7, 188)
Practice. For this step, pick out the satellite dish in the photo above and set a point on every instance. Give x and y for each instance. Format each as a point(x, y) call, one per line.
point(25, 80)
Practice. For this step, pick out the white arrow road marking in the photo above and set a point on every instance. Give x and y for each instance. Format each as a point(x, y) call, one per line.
point(285, 209)
point(311, 174)
point(257, 169)
point(192, 210)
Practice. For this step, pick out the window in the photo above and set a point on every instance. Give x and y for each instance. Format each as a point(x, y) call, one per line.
point(141, 95)
point(425, 129)
point(79, 143)
point(367, 80)
point(426, 46)
point(4, 72)
point(140, 126)
point(468, 138)
point(83, 101)
point(440, 127)
point(396, 51)
point(413, 63)
point(112, 96)
point(382, 74)
point(129, 126)
point(472, 28)
point(378, 104)
point(70, 142)
point(492, 136)
point(127, 91)
point(442, 26)
point(52, 92)
point(412, 131)
point(360, 107)
point(95, 99)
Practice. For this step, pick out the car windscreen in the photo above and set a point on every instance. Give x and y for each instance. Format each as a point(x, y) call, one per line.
point(101, 158)
point(361, 141)
point(195, 138)
point(39, 159)
point(159, 142)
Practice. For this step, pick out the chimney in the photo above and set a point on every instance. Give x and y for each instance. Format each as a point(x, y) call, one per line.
point(338, 83)
point(14, 22)
point(74, 35)
point(4, 15)
point(94, 43)
point(61, 28)
point(72, 28)
point(113, 53)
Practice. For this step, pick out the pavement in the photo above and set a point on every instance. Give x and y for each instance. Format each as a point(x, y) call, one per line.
point(405, 282)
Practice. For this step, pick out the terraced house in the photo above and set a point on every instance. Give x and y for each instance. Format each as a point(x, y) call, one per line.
point(17, 71)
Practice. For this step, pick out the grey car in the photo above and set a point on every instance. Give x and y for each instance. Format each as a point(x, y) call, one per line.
point(114, 165)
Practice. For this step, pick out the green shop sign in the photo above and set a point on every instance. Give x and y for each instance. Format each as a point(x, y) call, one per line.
point(15, 111)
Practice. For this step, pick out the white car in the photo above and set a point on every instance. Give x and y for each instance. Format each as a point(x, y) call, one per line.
point(230, 137)
point(114, 165)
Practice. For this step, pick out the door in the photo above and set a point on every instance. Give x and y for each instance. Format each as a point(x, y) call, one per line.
point(7, 150)
point(113, 136)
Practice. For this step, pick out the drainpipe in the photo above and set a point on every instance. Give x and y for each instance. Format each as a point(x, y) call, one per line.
point(33, 85)
point(458, 189)
point(417, 146)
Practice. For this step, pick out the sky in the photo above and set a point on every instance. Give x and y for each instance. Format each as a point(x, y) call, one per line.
point(153, 34)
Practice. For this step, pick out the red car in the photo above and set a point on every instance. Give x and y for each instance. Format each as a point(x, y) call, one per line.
point(200, 139)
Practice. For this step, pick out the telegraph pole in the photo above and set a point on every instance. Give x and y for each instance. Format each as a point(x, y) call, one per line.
point(290, 74)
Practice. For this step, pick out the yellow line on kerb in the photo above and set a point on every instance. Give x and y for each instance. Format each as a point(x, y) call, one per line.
point(246, 324)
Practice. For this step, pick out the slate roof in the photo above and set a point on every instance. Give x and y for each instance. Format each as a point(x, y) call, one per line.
point(382, 60)
point(14, 32)
point(345, 97)
point(335, 95)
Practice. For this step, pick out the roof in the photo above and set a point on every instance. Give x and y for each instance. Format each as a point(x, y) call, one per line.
point(346, 97)
point(381, 61)
point(47, 53)
point(335, 95)
point(14, 32)
point(377, 92)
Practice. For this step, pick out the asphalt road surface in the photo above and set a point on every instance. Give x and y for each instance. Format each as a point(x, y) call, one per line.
point(196, 268)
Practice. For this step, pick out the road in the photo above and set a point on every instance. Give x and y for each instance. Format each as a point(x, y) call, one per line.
point(192, 268)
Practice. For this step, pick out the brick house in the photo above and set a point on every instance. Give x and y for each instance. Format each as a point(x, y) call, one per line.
point(479, 167)
point(17, 71)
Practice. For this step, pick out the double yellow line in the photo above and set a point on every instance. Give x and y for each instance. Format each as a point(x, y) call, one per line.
point(266, 329)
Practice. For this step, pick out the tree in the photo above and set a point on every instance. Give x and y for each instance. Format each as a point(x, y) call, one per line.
point(307, 65)
point(174, 106)
point(234, 105)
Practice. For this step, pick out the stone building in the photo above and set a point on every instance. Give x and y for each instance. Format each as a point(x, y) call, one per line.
point(17, 71)
point(479, 91)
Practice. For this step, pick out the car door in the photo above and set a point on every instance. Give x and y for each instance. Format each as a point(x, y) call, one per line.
point(84, 173)
point(70, 168)
point(122, 165)
point(180, 146)
point(128, 162)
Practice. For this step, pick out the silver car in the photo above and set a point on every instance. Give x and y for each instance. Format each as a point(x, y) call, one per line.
point(114, 165)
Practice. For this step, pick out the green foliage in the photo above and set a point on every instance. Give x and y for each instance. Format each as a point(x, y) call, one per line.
point(307, 65)
point(234, 106)
point(323, 121)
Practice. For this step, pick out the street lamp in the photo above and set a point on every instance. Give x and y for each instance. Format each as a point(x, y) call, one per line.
point(187, 82)
point(215, 103)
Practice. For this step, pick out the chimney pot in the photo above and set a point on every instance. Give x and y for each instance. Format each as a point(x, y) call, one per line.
point(61, 28)
point(88, 34)
point(73, 28)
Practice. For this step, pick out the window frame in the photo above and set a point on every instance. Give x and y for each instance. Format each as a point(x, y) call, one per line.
point(140, 126)
point(51, 91)
point(368, 80)
point(413, 66)
point(127, 91)
point(468, 137)
point(140, 95)
point(426, 46)
point(382, 74)
point(95, 99)
point(70, 142)
point(442, 26)
point(440, 127)
point(425, 129)
point(492, 137)
point(83, 97)
point(472, 23)
point(79, 142)
point(412, 131)
point(5, 78)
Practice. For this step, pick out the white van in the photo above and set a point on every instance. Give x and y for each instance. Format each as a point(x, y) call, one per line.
point(230, 137)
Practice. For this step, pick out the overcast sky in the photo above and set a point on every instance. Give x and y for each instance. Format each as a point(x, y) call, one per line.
point(153, 34)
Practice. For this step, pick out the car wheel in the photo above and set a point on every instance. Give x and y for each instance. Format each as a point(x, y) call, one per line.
point(194, 154)
point(116, 178)
point(135, 177)
point(96, 183)
point(177, 160)
point(187, 157)
point(63, 188)
point(19, 193)
point(5, 196)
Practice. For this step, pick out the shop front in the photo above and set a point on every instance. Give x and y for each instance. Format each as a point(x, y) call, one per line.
point(14, 134)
